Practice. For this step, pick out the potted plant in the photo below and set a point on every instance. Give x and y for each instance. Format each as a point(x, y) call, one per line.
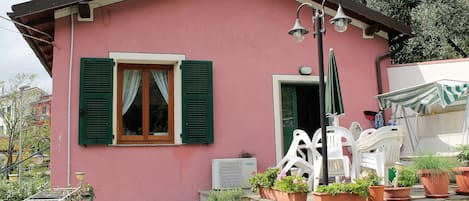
point(375, 182)
point(84, 193)
point(405, 178)
point(434, 174)
point(226, 195)
point(290, 188)
point(354, 191)
point(462, 172)
point(263, 182)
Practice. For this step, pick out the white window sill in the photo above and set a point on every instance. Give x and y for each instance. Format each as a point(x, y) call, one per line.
point(144, 145)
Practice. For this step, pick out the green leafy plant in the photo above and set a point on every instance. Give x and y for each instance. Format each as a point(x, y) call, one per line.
point(434, 164)
point(226, 195)
point(84, 192)
point(265, 179)
point(359, 187)
point(372, 178)
point(407, 177)
point(463, 155)
point(291, 184)
point(11, 191)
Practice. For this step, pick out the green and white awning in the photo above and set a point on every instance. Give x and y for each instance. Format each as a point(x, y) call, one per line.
point(421, 98)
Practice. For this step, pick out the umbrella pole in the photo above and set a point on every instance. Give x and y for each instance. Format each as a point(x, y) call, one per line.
point(318, 18)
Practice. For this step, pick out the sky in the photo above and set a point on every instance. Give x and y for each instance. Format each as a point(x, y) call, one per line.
point(15, 54)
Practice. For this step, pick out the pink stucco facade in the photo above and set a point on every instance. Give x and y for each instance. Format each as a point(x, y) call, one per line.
point(247, 42)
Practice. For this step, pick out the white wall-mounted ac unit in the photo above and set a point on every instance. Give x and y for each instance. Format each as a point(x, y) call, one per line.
point(232, 172)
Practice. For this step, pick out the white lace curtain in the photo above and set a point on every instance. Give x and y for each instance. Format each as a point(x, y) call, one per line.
point(161, 80)
point(130, 88)
point(131, 84)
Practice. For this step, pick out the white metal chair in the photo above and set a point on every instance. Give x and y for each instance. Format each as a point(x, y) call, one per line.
point(380, 150)
point(338, 163)
point(296, 157)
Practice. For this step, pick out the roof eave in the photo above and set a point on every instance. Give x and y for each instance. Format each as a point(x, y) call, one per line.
point(33, 7)
point(47, 65)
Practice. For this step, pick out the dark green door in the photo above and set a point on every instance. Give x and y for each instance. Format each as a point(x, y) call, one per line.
point(289, 115)
point(300, 109)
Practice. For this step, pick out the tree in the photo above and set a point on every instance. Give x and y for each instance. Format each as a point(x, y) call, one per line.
point(13, 114)
point(440, 27)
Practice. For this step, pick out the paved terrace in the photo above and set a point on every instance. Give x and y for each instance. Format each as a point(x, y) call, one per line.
point(417, 194)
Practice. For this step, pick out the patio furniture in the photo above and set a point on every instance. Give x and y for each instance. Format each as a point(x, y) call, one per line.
point(338, 163)
point(366, 132)
point(299, 155)
point(380, 149)
point(356, 129)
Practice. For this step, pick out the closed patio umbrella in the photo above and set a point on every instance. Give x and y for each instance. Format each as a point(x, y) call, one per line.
point(333, 99)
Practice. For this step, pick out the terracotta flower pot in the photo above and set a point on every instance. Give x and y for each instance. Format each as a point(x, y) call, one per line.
point(267, 193)
point(462, 180)
point(398, 193)
point(434, 184)
point(376, 193)
point(284, 196)
point(262, 192)
point(339, 197)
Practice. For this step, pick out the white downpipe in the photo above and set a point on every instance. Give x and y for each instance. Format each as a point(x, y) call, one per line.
point(69, 95)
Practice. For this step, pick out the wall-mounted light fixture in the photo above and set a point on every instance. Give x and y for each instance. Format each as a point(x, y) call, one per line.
point(305, 70)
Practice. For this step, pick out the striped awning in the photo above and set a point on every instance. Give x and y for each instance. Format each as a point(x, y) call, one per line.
point(421, 98)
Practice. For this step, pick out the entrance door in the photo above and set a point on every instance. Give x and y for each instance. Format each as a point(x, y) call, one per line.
point(300, 109)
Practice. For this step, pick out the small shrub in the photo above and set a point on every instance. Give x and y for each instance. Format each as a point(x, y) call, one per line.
point(463, 155)
point(265, 179)
point(11, 191)
point(407, 177)
point(360, 187)
point(291, 184)
point(84, 192)
point(226, 195)
point(434, 164)
point(372, 178)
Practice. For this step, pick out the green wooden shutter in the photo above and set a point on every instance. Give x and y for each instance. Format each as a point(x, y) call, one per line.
point(197, 102)
point(95, 121)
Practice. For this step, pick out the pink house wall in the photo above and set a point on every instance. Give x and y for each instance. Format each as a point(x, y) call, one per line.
point(247, 42)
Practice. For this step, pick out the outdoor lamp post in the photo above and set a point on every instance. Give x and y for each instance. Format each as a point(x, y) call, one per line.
point(38, 157)
point(340, 22)
point(20, 154)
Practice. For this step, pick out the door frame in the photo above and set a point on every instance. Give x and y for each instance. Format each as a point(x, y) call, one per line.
point(277, 81)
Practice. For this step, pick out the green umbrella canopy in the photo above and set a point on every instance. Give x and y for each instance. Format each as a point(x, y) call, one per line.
point(334, 105)
point(422, 98)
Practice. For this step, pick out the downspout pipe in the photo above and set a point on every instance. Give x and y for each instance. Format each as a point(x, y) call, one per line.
point(379, 79)
point(399, 40)
point(70, 68)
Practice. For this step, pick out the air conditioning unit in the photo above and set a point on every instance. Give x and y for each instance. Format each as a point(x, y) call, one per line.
point(232, 172)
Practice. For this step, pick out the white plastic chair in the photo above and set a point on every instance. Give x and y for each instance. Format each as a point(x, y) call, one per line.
point(296, 157)
point(366, 132)
point(380, 150)
point(356, 129)
point(338, 163)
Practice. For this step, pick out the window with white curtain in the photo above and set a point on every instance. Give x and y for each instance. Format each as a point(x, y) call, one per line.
point(145, 103)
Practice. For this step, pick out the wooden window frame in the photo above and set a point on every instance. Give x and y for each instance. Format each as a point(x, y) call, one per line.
point(145, 138)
